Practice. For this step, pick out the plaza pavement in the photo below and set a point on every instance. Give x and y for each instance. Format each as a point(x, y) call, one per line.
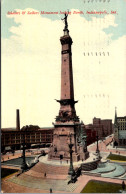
point(11, 187)
point(104, 147)
point(107, 147)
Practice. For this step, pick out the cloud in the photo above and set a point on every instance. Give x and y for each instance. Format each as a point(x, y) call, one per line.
point(31, 66)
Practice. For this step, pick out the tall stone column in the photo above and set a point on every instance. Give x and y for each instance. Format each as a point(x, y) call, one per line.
point(67, 110)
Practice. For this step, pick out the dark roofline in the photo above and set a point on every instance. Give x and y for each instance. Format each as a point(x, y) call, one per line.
point(106, 120)
point(46, 127)
point(8, 129)
point(121, 117)
point(51, 128)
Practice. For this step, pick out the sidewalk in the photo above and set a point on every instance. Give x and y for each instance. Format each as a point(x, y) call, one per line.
point(11, 187)
point(16, 155)
point(104, 146)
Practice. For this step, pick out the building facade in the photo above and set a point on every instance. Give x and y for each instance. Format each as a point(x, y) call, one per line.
point(101, 127)
point(30, 134)
point(91, 134)
point(120, 131)
point(12, 138)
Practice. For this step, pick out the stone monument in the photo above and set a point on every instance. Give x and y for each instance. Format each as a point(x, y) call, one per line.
point(67, 122)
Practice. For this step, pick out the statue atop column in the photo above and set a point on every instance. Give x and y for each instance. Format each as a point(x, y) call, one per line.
point(65, 21)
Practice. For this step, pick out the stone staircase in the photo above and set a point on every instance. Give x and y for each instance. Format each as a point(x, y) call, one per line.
point(89, 166)
point(123, 176)
point(107, 170)
point(118, 172)
point(91, 174)
point(49, 169)
point(44, 184)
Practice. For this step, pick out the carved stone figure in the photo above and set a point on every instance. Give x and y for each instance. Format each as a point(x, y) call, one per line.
point(65, 20)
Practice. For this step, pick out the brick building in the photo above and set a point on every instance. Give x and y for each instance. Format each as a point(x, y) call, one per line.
point(102, 127)
point(31, 134)
point(91, 134)
point(12, 138)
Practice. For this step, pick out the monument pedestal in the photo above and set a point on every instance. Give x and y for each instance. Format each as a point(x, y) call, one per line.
point(84, 155)
point(59, 150)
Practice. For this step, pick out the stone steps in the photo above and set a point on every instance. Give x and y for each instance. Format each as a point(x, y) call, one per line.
point(108, 170)
point(119, 171)
point(91, 174)
point(50, 169)
point(105, 168)
point(44, 184)
point(89, 166)
point(123, 176)
point(42, 175)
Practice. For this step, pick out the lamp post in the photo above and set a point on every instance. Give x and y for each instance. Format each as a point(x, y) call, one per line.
point(71, 169)
point(83, 138)
point(97, 149)
point(24, 165)
point(85, 143)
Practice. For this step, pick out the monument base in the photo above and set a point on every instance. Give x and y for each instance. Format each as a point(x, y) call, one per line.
point(66, 156)
point(84, 156)
point(64, 134)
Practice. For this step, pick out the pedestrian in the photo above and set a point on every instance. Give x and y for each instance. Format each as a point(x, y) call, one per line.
point(123, 185)
point(45, 174)
point(50, 190)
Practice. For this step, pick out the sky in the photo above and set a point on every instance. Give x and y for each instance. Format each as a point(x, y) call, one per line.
point(31, 59)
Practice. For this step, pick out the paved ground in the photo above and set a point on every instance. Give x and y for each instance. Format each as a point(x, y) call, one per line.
point(106, 146)
point(40, 185)
point(11, 156)
point(18, 154)
point(65, 163)
point(28, 184)
point(83, 180)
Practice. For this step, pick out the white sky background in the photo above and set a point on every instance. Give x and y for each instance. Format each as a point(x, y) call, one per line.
point(31, 68)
